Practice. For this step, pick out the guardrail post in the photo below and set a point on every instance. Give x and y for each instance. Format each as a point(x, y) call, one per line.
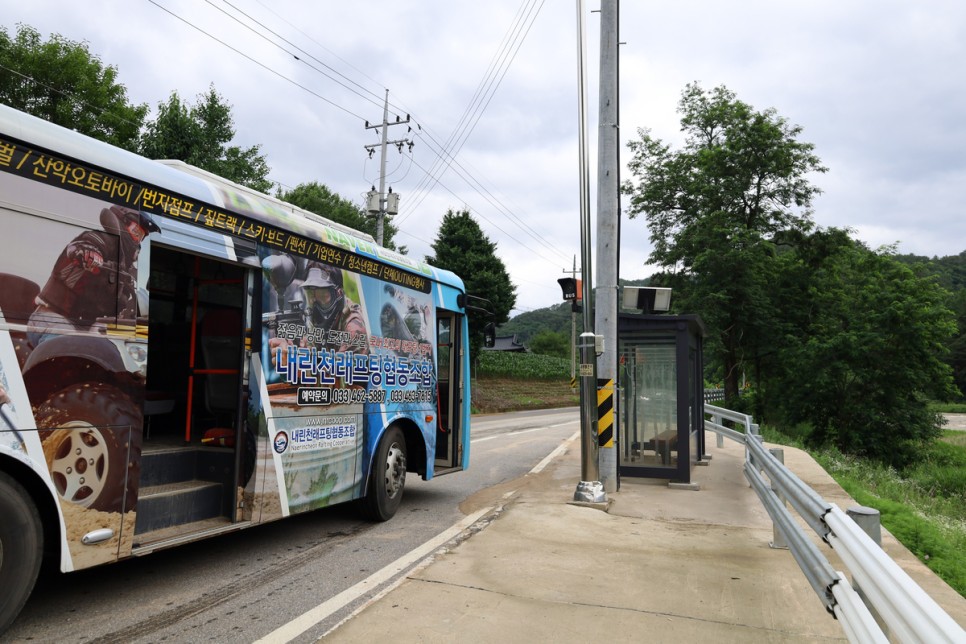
point(778, 538)
point(870, 521)
point(718, 420)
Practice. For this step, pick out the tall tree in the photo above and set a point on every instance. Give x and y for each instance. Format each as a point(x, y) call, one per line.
point(318, 198)
point(201, 135)
point(462, 247)
point(862, 351)
point(63, 82)
point(713, 208)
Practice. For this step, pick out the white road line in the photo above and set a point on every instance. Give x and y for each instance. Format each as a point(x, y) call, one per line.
point(554, 454)
point(425, 563)
point(521, 431)
point(310, 618)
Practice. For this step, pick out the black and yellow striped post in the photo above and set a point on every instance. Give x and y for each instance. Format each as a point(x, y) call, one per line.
point(605, 412)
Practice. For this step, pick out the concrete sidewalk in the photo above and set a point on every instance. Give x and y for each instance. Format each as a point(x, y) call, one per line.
point(660, 565)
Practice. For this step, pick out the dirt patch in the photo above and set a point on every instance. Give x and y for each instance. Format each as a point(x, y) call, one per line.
point(494, 395)
point(81, 520)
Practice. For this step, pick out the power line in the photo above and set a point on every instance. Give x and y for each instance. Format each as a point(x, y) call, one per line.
point(471, 116)
point(498, 70)
point(474, 111)
point(495, 202)
point(277, 35)
point(491, 222)
point(324, 48)
point(262, 65)
point(466, 112)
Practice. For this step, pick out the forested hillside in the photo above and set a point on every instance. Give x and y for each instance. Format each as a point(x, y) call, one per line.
point(525, 326)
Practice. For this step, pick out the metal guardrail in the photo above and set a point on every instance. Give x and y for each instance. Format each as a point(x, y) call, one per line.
point(907, 612)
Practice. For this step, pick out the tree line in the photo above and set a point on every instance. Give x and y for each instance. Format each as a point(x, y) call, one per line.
point(814, 329)
point(62, 81)
point(846, 341)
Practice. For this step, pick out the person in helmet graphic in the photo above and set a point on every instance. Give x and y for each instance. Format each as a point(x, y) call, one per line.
point(94, 276)
point(327, 307)
point(332, 319)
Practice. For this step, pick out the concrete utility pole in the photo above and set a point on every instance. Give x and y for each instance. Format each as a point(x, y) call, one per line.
point(608, 236)
point(589, 490)
point(380, 204)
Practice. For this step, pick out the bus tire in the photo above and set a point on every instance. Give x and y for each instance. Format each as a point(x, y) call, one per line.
point(87, 454)
point(387, 478)
point(21, 548)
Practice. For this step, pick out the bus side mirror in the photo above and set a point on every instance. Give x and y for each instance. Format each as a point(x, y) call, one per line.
point(489, 335)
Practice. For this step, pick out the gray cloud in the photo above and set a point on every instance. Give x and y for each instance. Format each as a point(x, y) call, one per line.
point(874, 85)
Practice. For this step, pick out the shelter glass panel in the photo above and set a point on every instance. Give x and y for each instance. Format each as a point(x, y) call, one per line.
point(650, 391)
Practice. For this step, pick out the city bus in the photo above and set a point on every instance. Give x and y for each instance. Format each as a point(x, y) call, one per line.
point(181, 357)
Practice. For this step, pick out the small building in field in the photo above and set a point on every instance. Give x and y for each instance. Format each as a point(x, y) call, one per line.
point(506, 343)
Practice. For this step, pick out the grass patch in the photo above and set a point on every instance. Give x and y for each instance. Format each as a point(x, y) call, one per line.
point(948, 408)
point(932, 526)
point(924, 506)
point(954, 438)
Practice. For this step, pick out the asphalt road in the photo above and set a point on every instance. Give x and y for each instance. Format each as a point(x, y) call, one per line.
point(321, 566)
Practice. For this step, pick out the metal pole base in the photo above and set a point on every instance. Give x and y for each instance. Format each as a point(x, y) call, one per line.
point(590, 492)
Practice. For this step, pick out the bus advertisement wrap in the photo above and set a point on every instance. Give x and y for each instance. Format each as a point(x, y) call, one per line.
point(360, 348)
point(181, 356)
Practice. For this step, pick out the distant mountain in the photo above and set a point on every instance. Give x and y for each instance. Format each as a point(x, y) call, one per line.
point(950, 270)
point(526, 325)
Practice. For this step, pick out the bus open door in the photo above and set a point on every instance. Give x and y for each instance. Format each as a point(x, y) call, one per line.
point(449, 361)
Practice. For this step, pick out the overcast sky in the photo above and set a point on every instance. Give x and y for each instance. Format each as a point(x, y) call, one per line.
point(877, 86)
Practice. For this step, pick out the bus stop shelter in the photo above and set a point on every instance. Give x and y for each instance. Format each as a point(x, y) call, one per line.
point(661, 383)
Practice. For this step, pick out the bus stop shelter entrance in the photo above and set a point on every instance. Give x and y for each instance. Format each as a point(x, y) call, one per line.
point(661, 384)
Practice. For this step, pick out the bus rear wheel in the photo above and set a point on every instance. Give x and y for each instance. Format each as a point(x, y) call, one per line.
point(21, 548)
point(387, 478)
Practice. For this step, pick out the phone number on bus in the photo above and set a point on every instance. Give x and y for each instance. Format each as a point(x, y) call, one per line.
point(349, 396)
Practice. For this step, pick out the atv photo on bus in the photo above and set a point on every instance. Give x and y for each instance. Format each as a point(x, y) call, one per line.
point(83, 379)
point(182, 357)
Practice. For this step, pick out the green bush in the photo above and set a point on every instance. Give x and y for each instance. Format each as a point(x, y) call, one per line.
point(941, 471)
point(507, 364)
